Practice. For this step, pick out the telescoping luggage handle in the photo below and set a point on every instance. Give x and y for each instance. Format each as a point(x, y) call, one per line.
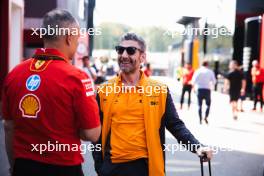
point(202, 158)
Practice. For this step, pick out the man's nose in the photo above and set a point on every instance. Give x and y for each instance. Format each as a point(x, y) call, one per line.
point(124, 54)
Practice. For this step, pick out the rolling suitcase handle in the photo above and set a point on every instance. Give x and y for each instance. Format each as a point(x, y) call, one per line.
point(202, 158)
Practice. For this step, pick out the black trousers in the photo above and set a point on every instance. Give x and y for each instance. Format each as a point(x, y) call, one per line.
point(186, 88)
point(204, 94)
point(137, 167)
point(258, 96)
point(26, 167)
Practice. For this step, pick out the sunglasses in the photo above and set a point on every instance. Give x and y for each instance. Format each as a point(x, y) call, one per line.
point(130, 50)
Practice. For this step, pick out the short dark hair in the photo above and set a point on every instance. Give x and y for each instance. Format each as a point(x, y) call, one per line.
point(85, 57)
point(57, 18)
point(134, 37)
point(205, 63)
point(148, 65)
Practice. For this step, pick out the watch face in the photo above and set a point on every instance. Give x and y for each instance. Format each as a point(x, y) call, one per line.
point(81, 49)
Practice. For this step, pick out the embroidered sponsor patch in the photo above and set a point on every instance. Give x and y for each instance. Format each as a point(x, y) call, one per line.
point(33, 82)
point(39, 65)
point(88, 86)
point(154, 103)
point(30, 106)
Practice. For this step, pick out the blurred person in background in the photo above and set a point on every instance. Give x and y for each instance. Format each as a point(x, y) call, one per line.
point(257, 74)
point(203, 81)
point(111, 69)
point(99, 67)
point(90, 71)
point(147, 70)
point(179, 72)
point(186, 83)
point(236, 84)
point(242, 97)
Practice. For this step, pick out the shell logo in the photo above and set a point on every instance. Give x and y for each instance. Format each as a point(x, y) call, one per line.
point(29, 106)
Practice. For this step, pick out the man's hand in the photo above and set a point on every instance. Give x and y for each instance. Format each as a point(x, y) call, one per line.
point(205, 152)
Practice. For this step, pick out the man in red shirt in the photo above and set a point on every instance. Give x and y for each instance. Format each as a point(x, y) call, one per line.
point(257, 74)
point(48, 106)
point(187, 86)
point(148, 71)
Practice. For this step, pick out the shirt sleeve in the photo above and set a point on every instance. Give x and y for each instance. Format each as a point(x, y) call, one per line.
point(177, 127)
point(85, 105)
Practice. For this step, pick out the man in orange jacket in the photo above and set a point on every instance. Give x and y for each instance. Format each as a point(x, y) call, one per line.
point(135, 110)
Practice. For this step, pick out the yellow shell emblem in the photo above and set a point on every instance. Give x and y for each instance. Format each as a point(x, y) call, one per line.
point(29, 106)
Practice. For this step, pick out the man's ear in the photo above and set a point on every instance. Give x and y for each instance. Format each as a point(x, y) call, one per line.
point(68, 39)
point(143, 58)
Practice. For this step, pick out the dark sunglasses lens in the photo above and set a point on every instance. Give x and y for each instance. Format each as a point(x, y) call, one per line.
point(131, 50)
point(120, 49)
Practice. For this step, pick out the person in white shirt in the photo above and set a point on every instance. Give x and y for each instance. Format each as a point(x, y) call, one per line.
point(90, 71)
point(203, 81)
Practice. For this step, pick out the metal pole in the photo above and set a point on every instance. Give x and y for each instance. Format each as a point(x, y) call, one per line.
point(91, 6)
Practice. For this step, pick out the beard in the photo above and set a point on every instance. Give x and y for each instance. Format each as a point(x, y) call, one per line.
point(127, 65)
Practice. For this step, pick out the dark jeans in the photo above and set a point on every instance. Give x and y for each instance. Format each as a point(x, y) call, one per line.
point(204, 94)
point(258, 96)
point(137, 167)
point(26, 167)
point(186, 88)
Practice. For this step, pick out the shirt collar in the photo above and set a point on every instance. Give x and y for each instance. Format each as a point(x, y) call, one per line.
point(50, 52)
point(140, 82)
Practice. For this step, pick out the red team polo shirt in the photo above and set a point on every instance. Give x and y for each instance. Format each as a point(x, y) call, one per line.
point(257, 75)
point(49, 101)
point(187, 76)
